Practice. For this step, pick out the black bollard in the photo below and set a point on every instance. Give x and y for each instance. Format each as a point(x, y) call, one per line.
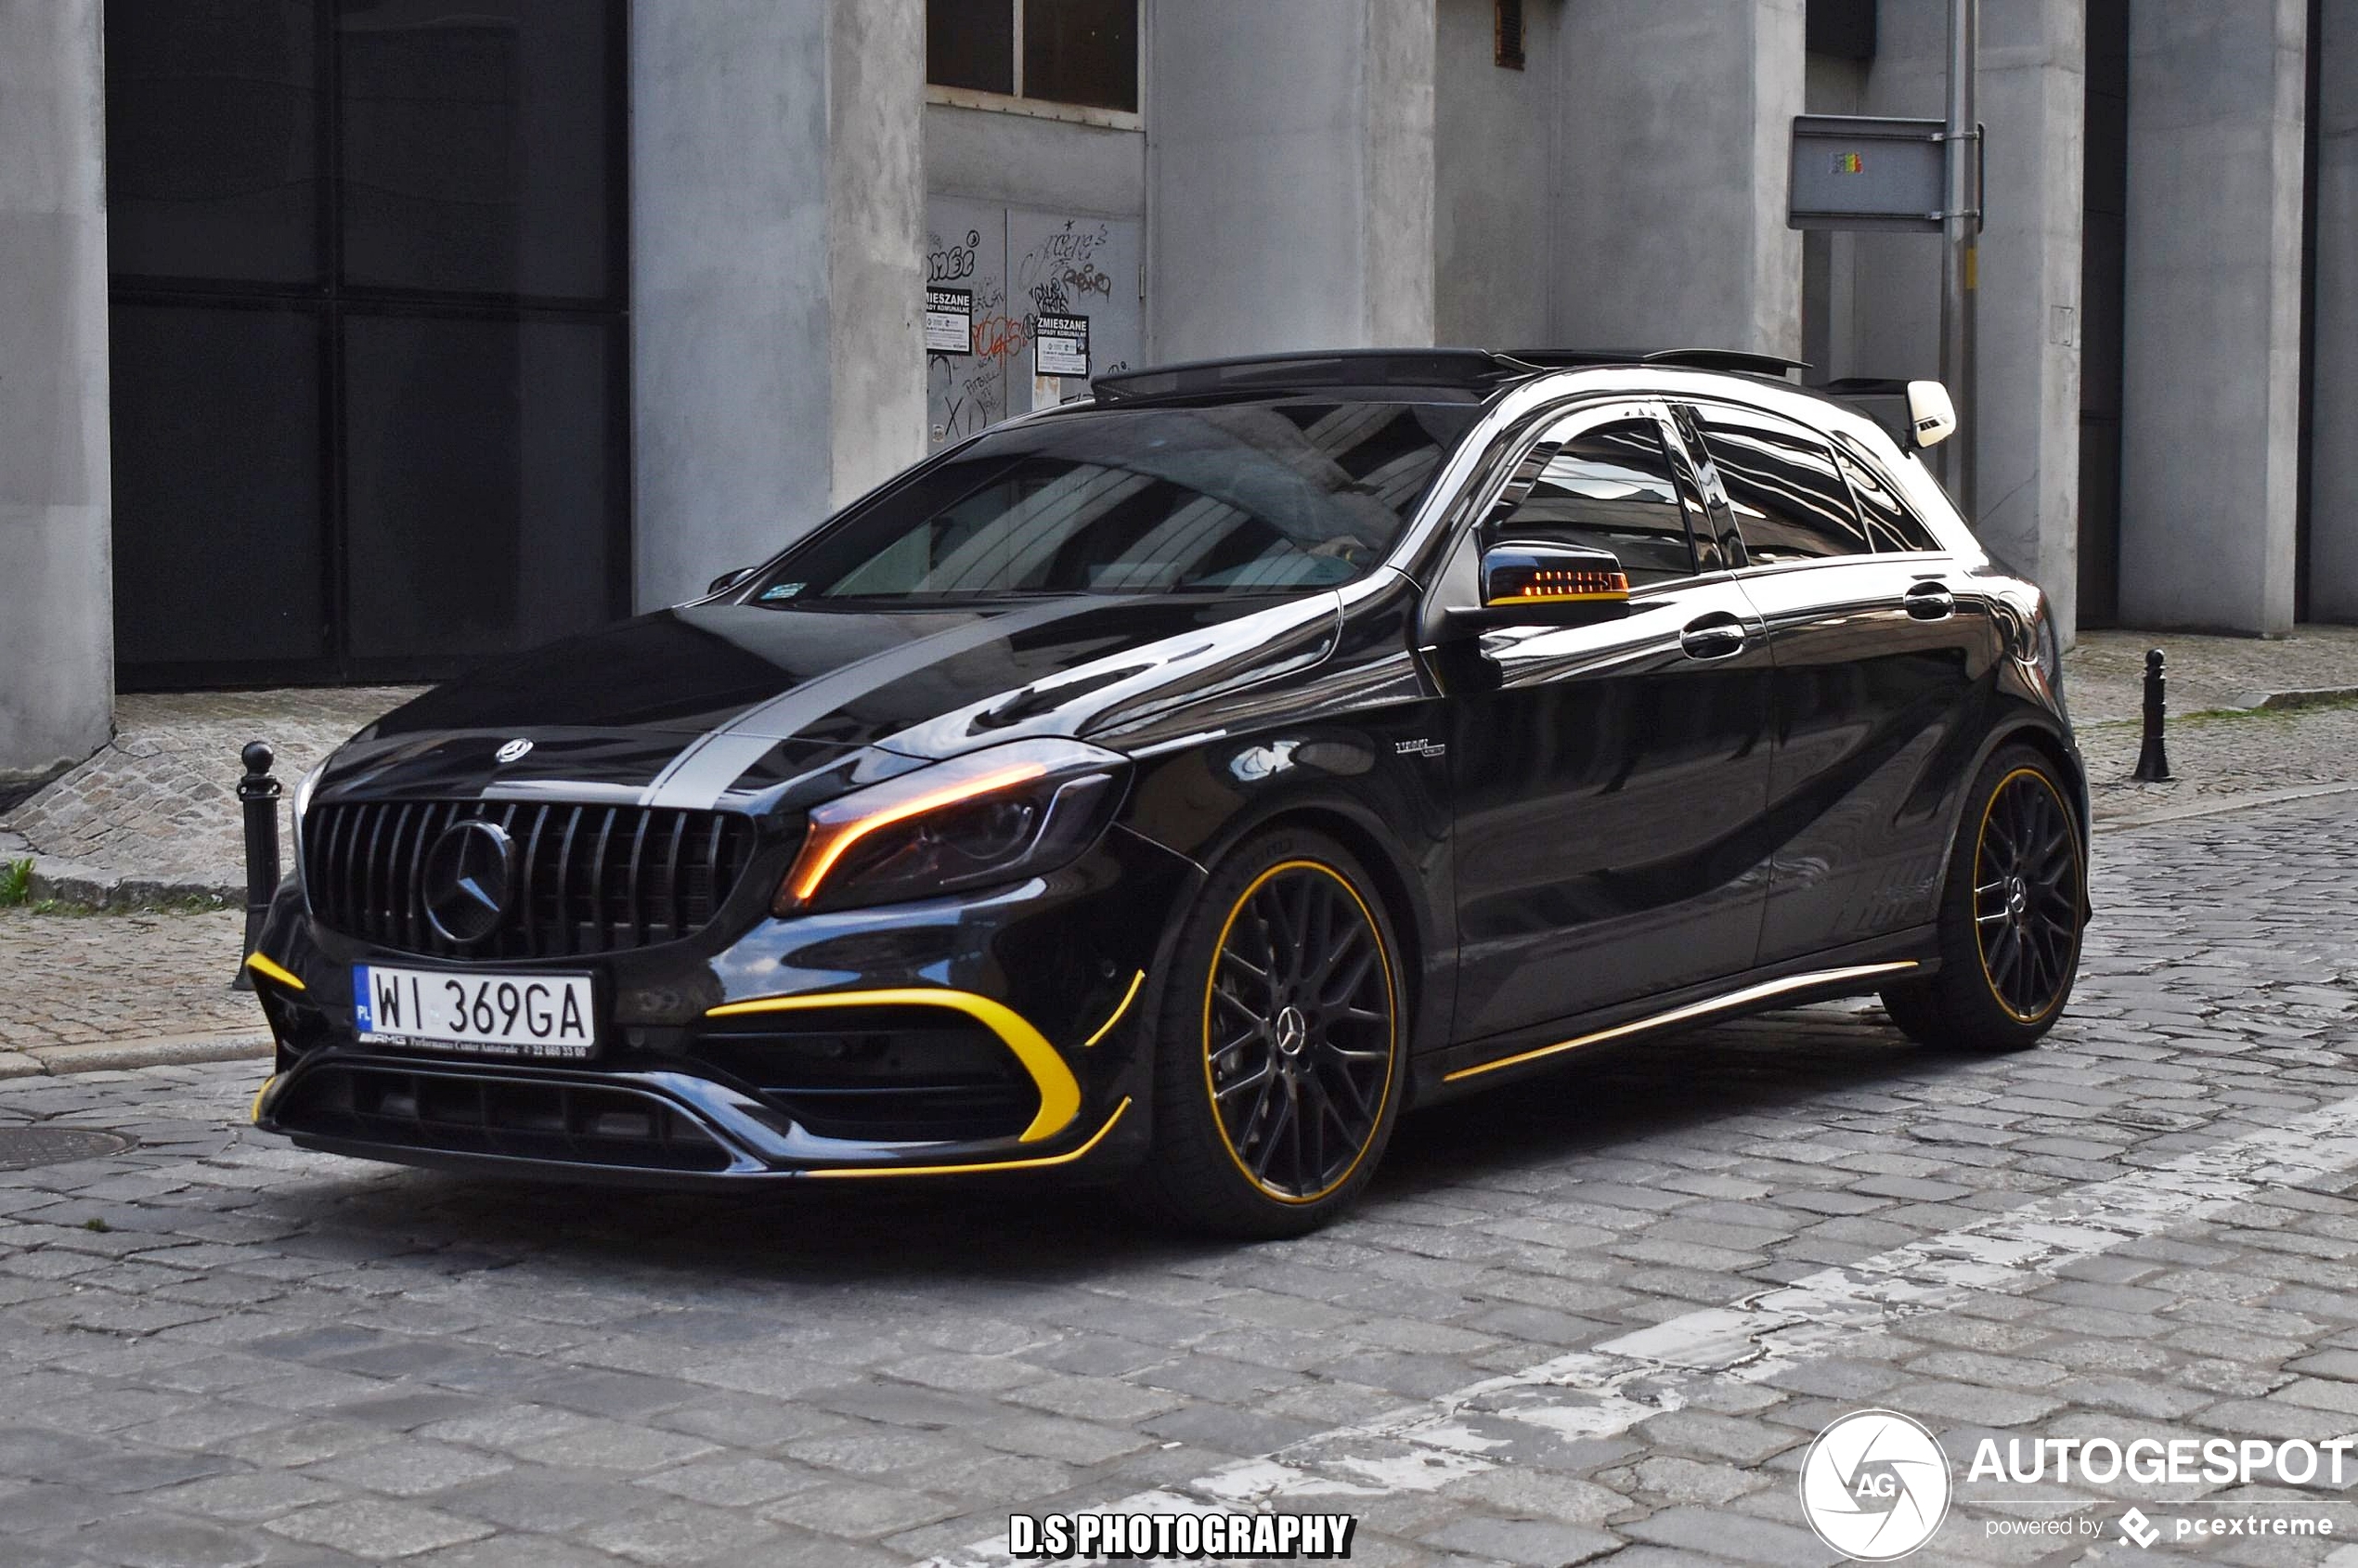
point(2152, 759)
point(258, 796)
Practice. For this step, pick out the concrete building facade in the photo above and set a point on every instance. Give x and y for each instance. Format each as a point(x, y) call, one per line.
point(577, 304)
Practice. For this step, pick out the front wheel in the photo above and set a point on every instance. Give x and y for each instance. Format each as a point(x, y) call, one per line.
point(1279, 1045)
point(2010, 916)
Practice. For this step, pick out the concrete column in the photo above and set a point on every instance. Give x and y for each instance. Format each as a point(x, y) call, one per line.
point(1493, 164)
point(2333, 493)
point(1289, 174)
point(2211, 415)
point(56, 611)
point(2026, 430)
point(1672, 161)
point(777, 237)
point(2033, 91)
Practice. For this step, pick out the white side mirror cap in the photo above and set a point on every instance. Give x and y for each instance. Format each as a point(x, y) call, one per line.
point(1932, 418)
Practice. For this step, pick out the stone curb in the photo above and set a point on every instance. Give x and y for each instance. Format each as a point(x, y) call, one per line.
point(117, 1055)
point(2310, 696)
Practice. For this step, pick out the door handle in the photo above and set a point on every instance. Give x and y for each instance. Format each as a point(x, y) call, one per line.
point(1930, 602)
point(1713, 637)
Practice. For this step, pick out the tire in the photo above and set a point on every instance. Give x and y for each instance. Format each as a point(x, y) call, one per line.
point(2011, 915)
point(1279, 1052)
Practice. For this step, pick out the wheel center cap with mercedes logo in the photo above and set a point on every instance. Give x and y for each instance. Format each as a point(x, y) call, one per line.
point(466, 878)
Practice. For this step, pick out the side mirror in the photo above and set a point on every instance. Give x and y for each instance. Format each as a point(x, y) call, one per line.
point(728, 580)
point(1529, 582)
point(1932, 418)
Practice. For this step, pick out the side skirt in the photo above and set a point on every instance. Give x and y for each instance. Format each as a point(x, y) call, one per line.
point(1858, 970)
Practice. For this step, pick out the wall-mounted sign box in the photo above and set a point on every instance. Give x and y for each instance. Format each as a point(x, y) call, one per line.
point(1860, 172)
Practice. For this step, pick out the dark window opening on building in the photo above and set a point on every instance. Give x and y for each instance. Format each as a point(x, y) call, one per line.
point(368, 280)
point(1508, 34)
point(1083, 53)
point(1842, 29)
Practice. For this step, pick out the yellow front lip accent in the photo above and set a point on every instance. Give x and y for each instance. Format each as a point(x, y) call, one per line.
point(254, 1113)
point(262, 967)
point(1096, 1138)
point(1059, 1094)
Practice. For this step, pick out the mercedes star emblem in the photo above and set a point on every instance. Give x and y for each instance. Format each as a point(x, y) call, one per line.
point(466, 878)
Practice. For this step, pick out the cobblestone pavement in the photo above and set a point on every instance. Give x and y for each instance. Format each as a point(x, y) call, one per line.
point(75, 980)
point(2104, 673)
point(158, 804)
point(215, 1350)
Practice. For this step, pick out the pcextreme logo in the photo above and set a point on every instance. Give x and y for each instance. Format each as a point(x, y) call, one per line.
point(1874, 1485)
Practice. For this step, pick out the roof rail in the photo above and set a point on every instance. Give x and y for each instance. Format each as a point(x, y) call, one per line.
point(1737, 359)
point(1465, 369)
point(1468, 367)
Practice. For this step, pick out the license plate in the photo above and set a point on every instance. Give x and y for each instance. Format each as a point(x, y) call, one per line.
point(476, 1014)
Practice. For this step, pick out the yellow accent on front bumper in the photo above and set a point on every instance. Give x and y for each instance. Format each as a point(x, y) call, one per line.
point(1059, 1094)
point(1046, 1159)
point(269, 970)
point(253, 1112)
point(1127, 998)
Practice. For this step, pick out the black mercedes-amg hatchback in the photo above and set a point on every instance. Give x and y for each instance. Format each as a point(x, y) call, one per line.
point(1176, 786)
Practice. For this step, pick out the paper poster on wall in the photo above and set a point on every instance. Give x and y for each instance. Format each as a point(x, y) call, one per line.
point(1060, 345)
point(949, 321)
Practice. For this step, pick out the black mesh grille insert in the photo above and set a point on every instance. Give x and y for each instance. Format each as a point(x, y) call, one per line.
point(586, 879)
point(888, 1074)
point(585, 1124)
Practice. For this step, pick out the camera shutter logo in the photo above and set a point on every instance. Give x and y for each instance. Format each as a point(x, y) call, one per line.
point(1874, 1485)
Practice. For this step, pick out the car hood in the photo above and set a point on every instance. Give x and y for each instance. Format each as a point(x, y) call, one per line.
point(713, 703)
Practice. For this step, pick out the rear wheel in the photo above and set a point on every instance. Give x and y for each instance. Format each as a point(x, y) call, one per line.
point(2010, 916)
point(1279, 1049)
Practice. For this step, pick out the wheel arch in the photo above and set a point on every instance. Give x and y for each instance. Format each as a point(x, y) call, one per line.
point(2057, 750)
point(1412, 909)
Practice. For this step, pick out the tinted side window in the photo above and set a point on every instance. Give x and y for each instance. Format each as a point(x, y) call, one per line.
point(1789, 499)
point(1610, 487)
point(1889, 523)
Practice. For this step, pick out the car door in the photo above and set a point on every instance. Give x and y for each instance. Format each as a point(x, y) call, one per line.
point(1609, 779)
point(1880, 649)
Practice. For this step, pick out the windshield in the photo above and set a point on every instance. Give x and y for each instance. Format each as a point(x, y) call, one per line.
point(1235, 498)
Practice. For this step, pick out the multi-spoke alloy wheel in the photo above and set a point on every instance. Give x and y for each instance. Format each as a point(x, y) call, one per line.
point(1279, 1040)
point(2027, 895)
point(2010, 917)
point(1298, 1031)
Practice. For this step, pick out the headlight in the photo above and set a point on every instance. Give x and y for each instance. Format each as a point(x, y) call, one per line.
point(994, 815)
point(303, 802)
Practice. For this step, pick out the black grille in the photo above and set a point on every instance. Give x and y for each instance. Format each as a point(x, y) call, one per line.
point(587, 879)
point(521, 1118)
point(883, 1073)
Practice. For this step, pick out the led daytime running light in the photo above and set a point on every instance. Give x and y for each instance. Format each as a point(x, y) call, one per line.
point(829, 840)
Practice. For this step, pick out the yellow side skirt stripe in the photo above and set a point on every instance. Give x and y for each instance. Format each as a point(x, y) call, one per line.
point(1693, 1010)
point(1059, 1094)
point(1033, 1164)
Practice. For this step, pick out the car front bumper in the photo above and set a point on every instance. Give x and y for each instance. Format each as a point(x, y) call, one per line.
point(996, 1031)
